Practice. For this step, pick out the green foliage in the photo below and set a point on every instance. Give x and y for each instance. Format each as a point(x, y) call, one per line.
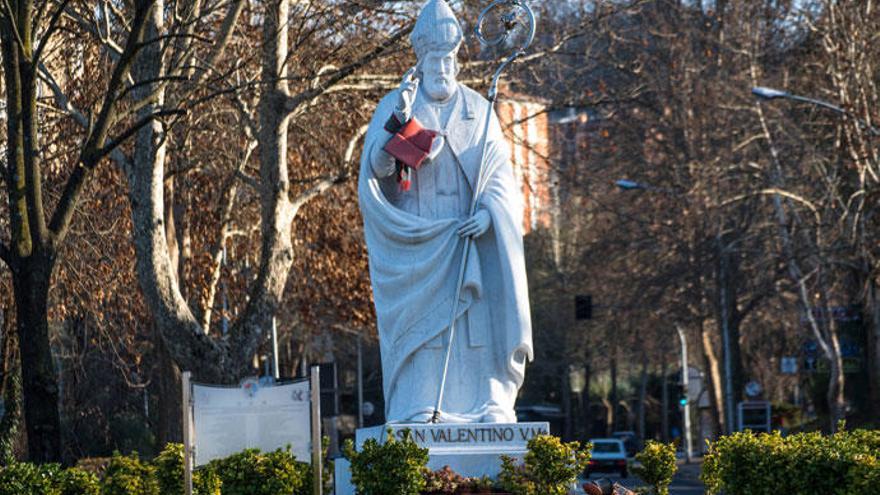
point(247, 473)
point(75, 481)
point(549, 468)
point(657, 466)
point(127, 475)
point(254, 473)
point(169, 474)
point(396, 466)
point(19, 478)
point(839, 464)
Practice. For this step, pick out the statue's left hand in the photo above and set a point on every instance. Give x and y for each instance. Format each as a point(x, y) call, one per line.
point(476, 225)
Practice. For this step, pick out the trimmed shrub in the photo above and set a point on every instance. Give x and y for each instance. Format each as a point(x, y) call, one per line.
point(657, 466)
point(75, 481)
point(169, 474)
point(253, 473)
point(839, 464)
point(396, 466)
point(127, 475)
point(549, 468)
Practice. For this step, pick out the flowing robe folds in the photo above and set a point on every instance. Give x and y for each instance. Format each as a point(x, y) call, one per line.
point(414, 266)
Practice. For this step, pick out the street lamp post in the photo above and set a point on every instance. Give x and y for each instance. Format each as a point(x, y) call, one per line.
point(766, 93)
point(688, 444)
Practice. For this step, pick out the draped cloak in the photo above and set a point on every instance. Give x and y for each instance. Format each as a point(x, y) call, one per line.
point(415, 261)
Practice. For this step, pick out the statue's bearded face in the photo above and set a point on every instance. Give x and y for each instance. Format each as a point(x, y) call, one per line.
point(439, 70)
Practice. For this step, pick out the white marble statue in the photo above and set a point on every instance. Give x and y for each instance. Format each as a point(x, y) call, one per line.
point(415, 223)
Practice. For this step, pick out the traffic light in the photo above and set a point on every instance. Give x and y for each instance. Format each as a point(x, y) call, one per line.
point(683, 396)
point(583, 307)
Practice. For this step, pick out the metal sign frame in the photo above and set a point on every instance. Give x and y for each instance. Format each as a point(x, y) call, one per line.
point(315, 426)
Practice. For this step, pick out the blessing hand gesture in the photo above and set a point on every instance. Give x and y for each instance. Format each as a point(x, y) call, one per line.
point(409, 87)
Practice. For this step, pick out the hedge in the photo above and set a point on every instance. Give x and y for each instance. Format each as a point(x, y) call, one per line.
point(847, 462)
point(248, 473)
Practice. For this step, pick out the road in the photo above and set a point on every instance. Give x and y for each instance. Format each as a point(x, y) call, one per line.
point(686, 481)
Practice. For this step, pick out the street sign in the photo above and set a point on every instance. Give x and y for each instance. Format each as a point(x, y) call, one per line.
point(754, 416)
point(788, 365)
point(583, 307)
point(753, 389)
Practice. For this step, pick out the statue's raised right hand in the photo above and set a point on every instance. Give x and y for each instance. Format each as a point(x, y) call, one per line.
point(409, 87)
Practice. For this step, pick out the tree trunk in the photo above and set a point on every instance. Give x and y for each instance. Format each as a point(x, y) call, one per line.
point(873, 314)
point(157, 274)
point(169, 424)
point(612, 423)
point(38, 378)
point(565, 385)
point(835, 397)
point(31, 258)
point(585, 402)
point(713, 384)
point(664, 414)
point(11, 390)
point(643, 395)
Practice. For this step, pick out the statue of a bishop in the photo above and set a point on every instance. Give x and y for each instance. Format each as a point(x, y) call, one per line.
point(419, 171)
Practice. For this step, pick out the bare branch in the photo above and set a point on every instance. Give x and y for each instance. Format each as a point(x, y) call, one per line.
point(95, 147)
point(248, 180)
point(294, 102)
point(326, 183)
point(50, 30)
point(773, 191)
point(10, 16)
point(131, 131)
point(226, 30)
point(226, 205)
point(113, 48)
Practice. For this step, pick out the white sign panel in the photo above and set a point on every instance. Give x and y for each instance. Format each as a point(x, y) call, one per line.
point(229, 420)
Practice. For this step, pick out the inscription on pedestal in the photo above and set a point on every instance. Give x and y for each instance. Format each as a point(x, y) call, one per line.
point(507, 436)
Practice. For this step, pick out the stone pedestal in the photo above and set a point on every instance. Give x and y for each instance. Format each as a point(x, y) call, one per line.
point(471, 449)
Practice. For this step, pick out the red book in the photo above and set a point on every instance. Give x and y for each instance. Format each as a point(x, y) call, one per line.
point(411, 144)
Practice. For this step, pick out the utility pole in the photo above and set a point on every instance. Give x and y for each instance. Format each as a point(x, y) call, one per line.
point(686, 406)
point(360, 381)
point(275, 371)
point(729, 411)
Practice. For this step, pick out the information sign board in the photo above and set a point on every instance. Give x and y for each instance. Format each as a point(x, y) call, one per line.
point(228, 420)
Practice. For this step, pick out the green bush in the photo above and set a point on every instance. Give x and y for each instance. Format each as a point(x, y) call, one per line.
point(549, 468)
point(657, 466)
point(169, 474)
point(254, 473)
point(127, 475)
point(840, 464)
point(396, 466)
point(19, 478)
point(75, 481)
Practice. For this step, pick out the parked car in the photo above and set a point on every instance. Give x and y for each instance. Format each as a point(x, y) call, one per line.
point(608, 456)
point(630, 442)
